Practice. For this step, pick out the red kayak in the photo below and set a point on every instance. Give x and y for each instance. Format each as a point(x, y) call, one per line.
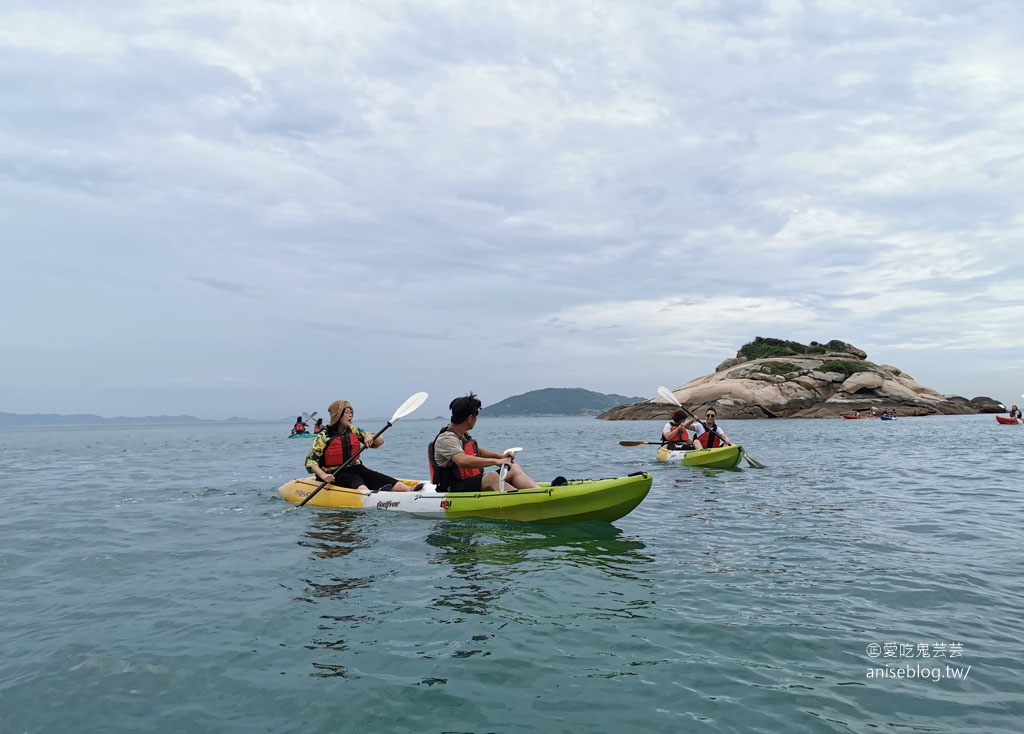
point(851, 416)
point(1006, 421)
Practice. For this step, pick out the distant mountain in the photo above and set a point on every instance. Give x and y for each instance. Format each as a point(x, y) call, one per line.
point(558, 401)
point(86, 419)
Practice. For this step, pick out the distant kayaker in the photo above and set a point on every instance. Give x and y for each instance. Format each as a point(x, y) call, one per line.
point(300, 426)
point(340, 442)
point(1015, 412)
point(675, 435)
point(319, 425)
point(707, 439)
point(457, 462)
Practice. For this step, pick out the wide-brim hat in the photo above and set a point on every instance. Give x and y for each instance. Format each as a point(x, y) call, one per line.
point(336, 409)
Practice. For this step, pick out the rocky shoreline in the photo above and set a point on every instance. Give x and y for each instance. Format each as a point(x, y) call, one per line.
point(825, 382)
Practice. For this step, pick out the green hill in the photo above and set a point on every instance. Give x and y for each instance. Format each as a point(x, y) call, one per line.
point(558, 401)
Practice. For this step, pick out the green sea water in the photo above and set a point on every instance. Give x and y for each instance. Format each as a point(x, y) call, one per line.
point(868, 579)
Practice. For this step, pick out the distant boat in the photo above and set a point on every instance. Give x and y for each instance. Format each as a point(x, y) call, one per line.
point(1006, 420)
point(852, 416)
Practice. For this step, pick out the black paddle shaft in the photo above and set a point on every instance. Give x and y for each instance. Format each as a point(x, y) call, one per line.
point(350, 460)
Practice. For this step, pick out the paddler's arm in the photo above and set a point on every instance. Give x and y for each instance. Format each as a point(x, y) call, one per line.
point(376, 443)
point(483, 460)
point(314, 456)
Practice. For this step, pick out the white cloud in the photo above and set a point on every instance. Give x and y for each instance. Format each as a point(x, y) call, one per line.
point(603, 194)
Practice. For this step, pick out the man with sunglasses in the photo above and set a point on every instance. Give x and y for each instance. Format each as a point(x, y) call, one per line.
point(707, 439)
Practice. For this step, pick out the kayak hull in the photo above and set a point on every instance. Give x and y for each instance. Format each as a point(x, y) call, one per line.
point(850, 416)
point(302, 435)
point(724, 457)
point(580, 500)
point(1007, 421)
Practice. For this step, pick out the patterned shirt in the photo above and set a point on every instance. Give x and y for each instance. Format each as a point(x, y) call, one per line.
point(320, 445)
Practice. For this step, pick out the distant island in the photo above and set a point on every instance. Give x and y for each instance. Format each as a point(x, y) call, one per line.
point(558, 401)
point(87, 419)
point(779, 378)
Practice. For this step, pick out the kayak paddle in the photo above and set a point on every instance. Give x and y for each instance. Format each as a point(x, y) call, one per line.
point(670, 396)
point(404, 409)
point(641, 443)
point(503, 472)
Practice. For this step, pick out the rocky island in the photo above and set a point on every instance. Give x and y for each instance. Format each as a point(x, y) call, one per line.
point(774, 378)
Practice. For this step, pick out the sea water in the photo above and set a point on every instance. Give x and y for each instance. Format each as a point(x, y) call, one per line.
point(868, 579)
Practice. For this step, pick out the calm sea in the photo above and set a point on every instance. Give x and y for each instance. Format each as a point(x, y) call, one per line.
point(869, 579)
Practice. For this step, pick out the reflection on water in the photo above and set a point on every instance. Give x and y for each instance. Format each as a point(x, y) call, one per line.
point(466, 544)
point(489, 555)
point(335, 535)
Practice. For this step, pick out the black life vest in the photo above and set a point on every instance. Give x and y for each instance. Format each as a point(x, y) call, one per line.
point(341, 448)
point(447, 476)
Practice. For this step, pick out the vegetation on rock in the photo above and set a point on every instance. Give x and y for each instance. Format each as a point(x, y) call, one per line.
point(844, 366)
point(765, 347)
point(778, 368)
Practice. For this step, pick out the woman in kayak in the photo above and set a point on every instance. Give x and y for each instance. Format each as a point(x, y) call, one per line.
point(674, 434)
point(707, 439)
point(319, 425)
point(299, 427)
point(338, 444)
point(1015, 412)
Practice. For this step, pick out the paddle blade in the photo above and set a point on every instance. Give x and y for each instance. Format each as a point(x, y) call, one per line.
point(634, 443)
point(409, 406)
point(669, 396)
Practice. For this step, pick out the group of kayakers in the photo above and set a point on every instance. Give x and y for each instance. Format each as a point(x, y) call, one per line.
point(457, 461)
point(706, 435)
point(302, 427)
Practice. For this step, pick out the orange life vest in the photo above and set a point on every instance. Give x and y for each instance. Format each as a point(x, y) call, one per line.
point(710, 440)
point(446, 476)
point(678, 435)
point(341, 448)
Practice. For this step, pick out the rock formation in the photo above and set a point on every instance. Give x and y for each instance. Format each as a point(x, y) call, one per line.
point(797, 381)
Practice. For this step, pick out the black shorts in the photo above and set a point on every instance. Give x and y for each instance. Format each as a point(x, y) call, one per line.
point(355, 475)
point(473, 484)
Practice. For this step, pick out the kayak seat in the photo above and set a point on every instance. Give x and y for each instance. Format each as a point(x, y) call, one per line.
point(559, 481)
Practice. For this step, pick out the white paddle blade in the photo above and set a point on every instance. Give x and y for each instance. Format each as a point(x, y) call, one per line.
point(409, 406)
point(513, 452)
point(669, 396)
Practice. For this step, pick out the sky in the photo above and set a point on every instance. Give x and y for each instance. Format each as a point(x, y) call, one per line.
point(230, 208)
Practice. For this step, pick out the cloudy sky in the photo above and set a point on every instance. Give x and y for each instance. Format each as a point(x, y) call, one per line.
point(226, 207)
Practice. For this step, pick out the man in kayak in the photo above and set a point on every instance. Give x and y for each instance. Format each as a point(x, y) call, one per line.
point(319, 425)
point(299, 427)
point(336, 445)
point(706, 439)
point(674, 435)
point(457, 462)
